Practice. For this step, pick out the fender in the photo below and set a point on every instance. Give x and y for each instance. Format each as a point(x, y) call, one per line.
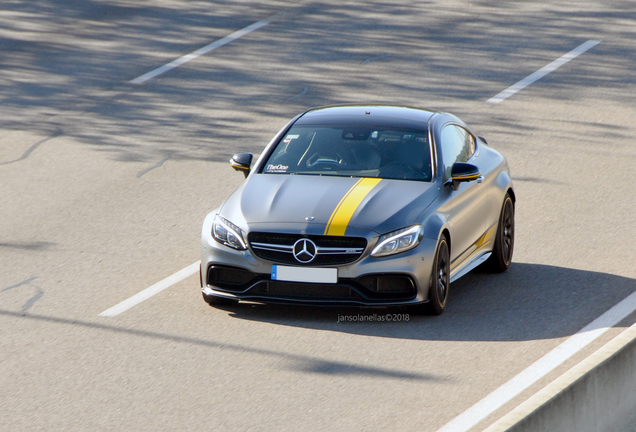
point(433, 226)
point(504, 182)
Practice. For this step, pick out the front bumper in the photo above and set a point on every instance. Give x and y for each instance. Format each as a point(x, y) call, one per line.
point(369, 289)
point(401, 279)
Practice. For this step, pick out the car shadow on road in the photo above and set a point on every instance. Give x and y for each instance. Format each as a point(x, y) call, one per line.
point(528, 302)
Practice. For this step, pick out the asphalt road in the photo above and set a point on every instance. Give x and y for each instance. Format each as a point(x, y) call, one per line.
point(104, 185)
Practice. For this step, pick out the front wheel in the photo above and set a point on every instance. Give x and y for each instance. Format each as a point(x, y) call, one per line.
point(440, 281)
point(501, 257)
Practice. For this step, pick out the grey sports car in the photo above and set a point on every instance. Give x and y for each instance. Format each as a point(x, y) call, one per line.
point(361, 205)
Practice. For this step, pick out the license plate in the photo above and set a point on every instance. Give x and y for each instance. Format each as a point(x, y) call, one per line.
point(304, 274)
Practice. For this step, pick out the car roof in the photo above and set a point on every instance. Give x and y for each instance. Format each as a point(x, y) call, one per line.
point(385, 115)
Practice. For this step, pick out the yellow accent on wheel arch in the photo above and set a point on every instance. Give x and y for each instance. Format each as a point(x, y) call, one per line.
point(348, 205)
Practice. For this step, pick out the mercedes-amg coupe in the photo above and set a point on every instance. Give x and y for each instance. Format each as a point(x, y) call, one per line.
point(361, 205)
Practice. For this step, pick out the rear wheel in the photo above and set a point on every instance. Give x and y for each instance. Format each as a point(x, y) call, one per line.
point(501, 257)
point(440, 282)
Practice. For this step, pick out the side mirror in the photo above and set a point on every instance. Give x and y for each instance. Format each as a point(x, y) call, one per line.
point(242, 162)
point(463, 172)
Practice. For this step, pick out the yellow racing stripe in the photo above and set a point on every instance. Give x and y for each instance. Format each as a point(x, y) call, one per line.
point(347, 206)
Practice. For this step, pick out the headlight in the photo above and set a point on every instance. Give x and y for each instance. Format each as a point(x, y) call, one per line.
point(225, 232)
point(397, 241)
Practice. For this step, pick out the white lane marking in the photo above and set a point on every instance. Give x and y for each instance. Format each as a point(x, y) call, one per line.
point(543, 71)
point(201, 51)
point(150, 291)
point(504, 394)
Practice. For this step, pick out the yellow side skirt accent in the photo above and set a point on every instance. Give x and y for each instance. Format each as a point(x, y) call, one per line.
point(481, 242)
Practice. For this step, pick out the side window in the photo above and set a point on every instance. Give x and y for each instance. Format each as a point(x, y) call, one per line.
point(469, 144)
point(457, 146)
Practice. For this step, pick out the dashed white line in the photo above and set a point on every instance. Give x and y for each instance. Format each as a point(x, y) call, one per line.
point(201, 51)
point(504, 394)
point(150, 291)
point(543, 72)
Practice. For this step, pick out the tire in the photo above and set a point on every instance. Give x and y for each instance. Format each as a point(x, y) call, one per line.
point(218, 301)
point(501, 257)
point(440, 282)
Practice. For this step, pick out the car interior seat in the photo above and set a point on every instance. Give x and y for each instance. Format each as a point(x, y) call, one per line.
point(366, 156)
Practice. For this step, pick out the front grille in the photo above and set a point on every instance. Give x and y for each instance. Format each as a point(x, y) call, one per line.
point(330, 250)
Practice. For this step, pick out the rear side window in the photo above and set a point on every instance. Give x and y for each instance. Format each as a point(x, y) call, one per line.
point(458, 145)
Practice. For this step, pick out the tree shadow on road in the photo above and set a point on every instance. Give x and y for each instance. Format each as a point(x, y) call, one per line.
point(68, 65)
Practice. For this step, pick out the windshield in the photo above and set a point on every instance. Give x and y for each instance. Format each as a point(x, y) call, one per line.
point(352, 151)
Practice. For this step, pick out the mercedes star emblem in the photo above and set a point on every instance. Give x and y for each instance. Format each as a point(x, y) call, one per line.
point(304, 251)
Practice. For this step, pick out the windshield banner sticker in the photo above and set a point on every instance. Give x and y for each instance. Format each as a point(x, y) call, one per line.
point(276, 168)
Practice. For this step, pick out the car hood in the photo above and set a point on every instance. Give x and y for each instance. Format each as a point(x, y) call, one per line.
point(292, 202)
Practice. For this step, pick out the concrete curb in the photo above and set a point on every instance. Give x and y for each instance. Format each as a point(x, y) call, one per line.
point(598, 394)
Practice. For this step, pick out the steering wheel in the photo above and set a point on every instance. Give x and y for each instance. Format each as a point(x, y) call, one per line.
point(325, 163)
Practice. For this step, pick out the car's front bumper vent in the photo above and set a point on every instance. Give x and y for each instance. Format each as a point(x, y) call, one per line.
point(388, 283)
point(292, 290)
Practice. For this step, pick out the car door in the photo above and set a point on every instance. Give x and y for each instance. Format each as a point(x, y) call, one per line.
point(466, 208)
